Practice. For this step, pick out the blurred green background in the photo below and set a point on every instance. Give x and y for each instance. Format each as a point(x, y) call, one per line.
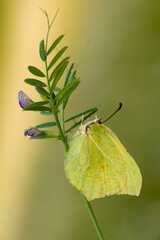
point(122, 64)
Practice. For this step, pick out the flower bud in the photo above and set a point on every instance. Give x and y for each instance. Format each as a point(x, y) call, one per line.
point(33, 132)
point(24, 100)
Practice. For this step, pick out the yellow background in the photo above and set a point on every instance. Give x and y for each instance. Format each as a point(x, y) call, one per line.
point(122, 63)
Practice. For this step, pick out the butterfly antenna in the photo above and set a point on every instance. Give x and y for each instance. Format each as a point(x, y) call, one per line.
point(120, 106)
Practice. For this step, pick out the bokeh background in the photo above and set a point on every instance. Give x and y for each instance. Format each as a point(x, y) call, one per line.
point(122, 63)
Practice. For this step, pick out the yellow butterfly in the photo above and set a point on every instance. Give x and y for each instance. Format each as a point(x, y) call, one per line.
point(97, 164)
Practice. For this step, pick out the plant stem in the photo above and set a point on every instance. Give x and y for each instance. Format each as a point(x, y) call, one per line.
point(94, 220)
point(63, 138)
point(62, 118)
point(54, 111)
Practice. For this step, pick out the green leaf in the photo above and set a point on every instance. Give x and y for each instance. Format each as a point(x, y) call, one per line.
point(46, 125)
point(91, 110)
point(58, 75)
point(38, 103)
point(65, 89)
point(64, 103)
point(55, 43)
point(68, 93)
point(46, 113)
point(73, 76)
point(42, 51)
point(69, 80)
point(58, 55)
point(42, 91)
point(35, 82)
point(58, 67)
point(35, 71)
point(68, 74)
point(57, 89)
point(37, 107)
point(47, 136)
point(38, 137)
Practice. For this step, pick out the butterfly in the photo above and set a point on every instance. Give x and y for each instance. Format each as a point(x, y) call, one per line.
point(98, 165)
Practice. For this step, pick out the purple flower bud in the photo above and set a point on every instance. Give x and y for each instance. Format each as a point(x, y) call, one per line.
point(24, 100)
point(32, 132)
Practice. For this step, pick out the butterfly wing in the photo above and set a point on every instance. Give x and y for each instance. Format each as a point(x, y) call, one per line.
point(94, 164)
point(77, 161)
point(134, 179)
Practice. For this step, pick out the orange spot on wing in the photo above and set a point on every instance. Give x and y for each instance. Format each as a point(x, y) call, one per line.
point(102, 166)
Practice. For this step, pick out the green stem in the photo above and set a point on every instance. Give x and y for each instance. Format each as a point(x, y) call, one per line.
point(94, 220)
point(63, 138)
point(62, 118)
point(54, 110)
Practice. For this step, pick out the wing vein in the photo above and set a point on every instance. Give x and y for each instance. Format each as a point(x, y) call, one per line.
point(112, 139)
point(103, 152)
